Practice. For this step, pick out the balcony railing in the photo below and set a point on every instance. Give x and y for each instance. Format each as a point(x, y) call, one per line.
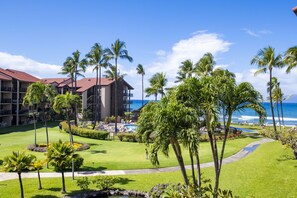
point(6, 101)
point(128, 102)
point(5, 112)
point(16, 101)
point(128, 94)
point(5, 88)
point(23, 89)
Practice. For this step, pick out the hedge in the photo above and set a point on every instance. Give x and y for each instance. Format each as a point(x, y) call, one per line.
point(84, 132)
point(129, 137)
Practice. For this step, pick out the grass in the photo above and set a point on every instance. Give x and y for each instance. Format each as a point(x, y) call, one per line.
point(106, 155)
point(270, 171)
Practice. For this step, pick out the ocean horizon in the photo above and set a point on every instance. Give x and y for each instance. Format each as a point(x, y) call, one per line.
point(250, 116)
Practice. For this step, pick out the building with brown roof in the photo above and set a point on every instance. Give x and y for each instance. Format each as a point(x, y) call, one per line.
point(14, 85)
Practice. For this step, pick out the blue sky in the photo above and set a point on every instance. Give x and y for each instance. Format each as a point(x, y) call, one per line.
point(37, 36)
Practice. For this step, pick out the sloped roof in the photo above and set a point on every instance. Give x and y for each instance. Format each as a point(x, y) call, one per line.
point(60, 81)
point(4, 77)
point(86, 83)
point(19, 75)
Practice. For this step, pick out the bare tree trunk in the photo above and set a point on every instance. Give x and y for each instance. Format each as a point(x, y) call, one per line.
point(198, 170)
point(116, 97)
point(63, 183)
point(282, 112)
point(35, 134)
point(96, 100)
point(192, 167)
point(21, 185)
point(278, 115)
point(39, 181)
point(271, 106)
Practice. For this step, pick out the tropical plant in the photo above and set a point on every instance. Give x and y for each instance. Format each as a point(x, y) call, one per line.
point(267, 59)
point(157, 85)
point(98, 59)
point(140, 71)
point(111, 73)
point(38, 165)
point(117, 50)
point(291, 58)
point(186, 70)
point(74, 67)
point(19, 162)
point(205, 65)
point(60, 155)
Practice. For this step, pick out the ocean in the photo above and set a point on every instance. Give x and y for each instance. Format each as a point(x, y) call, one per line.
point(250, 116)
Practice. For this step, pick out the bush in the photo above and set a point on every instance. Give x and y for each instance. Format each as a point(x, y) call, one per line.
point(105, 182)
point(83, 183)
point(78, 162)
point(129, 137)
point(83, 132)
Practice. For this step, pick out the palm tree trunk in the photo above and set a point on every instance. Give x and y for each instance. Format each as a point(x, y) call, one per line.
point(69, 126)
point(282, 112)
point(63, 183)
point(39, 181)
point(278, 115)
point(198, 170)
point(96, 100)
point(142, 90)
point(35, 134)
point(21, 185)
point(271, 106)
point(99, 96)
point(116, 96)
point(192, 167)
point(75, 108)
point(177, 151)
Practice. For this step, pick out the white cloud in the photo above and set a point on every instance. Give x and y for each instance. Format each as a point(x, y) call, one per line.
point(256, 33)
point(18, 62)
point(161, 53)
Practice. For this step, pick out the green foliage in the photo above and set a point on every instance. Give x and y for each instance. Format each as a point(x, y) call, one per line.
point(105, 182)
point(83, 183)
point(289, 138)
point(129, 137)
point(83, 132)
point(18, 162)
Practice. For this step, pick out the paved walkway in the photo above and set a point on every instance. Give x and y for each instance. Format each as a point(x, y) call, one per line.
point(244, 152)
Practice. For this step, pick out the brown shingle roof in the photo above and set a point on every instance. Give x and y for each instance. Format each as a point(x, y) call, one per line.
point(86, 83)
point(19, 75)
point(61, 82)
point(4, 77)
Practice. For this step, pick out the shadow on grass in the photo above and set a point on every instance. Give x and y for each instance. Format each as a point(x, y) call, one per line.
point(124, 181)
point(91, 169)
point(53, 189)
point(1, 162)
point(283, 158)
point(44, 196)
point(98, 151)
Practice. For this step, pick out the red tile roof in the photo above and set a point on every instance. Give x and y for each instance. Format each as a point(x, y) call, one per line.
point(4, 77)
point(19, 75)
point(61, 82)
point(86, 83)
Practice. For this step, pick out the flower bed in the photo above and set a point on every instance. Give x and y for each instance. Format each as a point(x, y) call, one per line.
point(78, 146)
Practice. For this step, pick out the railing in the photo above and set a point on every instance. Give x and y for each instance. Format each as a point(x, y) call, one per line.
point(128, 94)
point(23, 111)
point(16, 101)
point(23, 89)
point(5, 112)
point(6, 101)
point(128, 102)
point(5, 88)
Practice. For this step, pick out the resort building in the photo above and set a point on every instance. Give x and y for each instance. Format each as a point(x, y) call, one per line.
point(13, 87)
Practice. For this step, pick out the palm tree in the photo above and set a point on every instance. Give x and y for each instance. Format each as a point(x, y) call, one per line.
point(38, 165)
point(74, 67)
point(291, 58)
point(66, 102)
point(111, 73)
point(97, 58)
point(140, 71)
point(60, 155)
point(117, 50)
point(18, 162)
point(157, 85)
point(185, 70)
point(205, 65)
point(33, 99)
point(267, 59)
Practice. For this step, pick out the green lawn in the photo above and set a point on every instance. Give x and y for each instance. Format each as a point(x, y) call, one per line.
point(270, 171)
point(107, 155)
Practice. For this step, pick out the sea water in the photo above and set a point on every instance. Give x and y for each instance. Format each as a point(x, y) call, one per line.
point(250, 116)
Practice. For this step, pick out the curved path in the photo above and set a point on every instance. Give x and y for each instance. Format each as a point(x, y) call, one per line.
point(244, 152)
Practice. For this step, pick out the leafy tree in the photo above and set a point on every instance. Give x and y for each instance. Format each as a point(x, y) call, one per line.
point(19, 162)
point(186, 70)
point(140, 71)
point(291, 58)
point(117, 50)
point(98, 59)
point(33, 99)
point(60, 155)
point(267, 59)
point(38, 165)
point(66, 102)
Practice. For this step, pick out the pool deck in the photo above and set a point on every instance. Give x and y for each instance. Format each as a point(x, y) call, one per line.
point(241, 154)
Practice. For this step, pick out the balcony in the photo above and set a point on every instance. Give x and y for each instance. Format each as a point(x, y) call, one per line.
point(22, 89)
point(6, 101)
point(126, 102)
point(17, 101)
point(8, 89)
point(128, 94)
point(21, 112)
point(5, 112)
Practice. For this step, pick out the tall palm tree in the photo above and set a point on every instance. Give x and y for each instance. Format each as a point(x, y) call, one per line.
point(98, 59)
point(117, 50)
point(66, 102)
point(186, 70)
point(19, 162)
point(291, 58)
point(112, 75)
point(205, 65)
point(267, 59)
point(33, 99)
point(60, 155)
point(75, 67)
point(140, 71)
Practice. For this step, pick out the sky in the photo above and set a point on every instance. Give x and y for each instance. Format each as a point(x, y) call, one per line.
point(38, 36)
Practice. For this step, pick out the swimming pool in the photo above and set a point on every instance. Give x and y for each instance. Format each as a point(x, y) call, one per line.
point(130, 127)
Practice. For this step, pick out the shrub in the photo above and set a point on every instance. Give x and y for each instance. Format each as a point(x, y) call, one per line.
point(78, 162)
point(83, 132)
point(129, 137)
point(105, 182)
point(83, 183)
